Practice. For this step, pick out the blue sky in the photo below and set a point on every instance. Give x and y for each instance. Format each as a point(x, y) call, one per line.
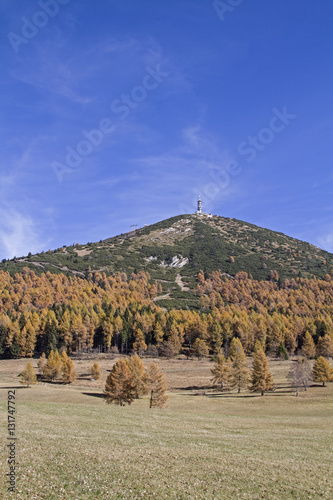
point(120, 113)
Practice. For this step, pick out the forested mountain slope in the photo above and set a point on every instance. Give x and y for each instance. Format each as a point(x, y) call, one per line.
point(184, 245)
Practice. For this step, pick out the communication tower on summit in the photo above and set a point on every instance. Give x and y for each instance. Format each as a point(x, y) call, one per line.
point(199, 209)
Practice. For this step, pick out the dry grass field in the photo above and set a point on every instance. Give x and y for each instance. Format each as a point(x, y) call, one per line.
point(204, 445)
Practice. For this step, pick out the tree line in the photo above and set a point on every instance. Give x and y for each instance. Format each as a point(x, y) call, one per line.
point(40, 314)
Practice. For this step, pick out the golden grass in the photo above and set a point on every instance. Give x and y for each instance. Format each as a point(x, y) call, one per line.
point(72, 445)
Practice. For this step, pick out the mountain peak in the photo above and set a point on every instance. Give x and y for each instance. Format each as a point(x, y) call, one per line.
point(185, 244)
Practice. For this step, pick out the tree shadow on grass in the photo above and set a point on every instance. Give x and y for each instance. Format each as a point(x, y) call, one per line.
point(253, 395)
point(14, 387)
point(93, 394)
point(234, 395)
point(193, 388)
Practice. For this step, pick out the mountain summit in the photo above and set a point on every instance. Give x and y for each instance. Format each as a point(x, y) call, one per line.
point(183, 245)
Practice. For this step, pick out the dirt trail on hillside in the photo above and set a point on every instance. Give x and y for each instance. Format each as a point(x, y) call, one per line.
point(166, 296)
point(179, 282)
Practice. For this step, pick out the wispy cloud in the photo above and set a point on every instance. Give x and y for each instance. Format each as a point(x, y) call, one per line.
point(18, 232)
point(326, 242)
point(70, 74)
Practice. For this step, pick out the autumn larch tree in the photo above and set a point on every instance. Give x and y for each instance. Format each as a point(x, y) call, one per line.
point(232, 348)
point(139, 375)
point(257, 346)
point(157, 386)
point(325, 346)
point(308, 348)
point(28, 375)
point(158, 333)
point(30, 339)
point(68, 371)
point(53, 366)
point(221, 370)
point(42, 363)
point(261, 377)
point(174, 338)
point(119, 388)
point(63, 357)
point(95, 371)
point(216, 336)
point(200, 348)
point(139, 344)
point(322, 371)
point(239, 375)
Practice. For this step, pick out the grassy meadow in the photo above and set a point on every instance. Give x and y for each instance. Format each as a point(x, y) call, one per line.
point(204, 445)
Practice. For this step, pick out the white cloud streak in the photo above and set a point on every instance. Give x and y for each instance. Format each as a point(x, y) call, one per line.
point(18, 234)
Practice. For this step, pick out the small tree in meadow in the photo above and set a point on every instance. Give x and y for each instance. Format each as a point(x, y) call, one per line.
point(239, 375)
point(119, 387)
point(157, 386)
point(68, 371)
point(307, 375)
point(95, 371)
point(53, 366)
point(221, 370)
point(322, 371)
point(296, 374)
point(261, 377)
point(139, 375)
point(28, 375)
